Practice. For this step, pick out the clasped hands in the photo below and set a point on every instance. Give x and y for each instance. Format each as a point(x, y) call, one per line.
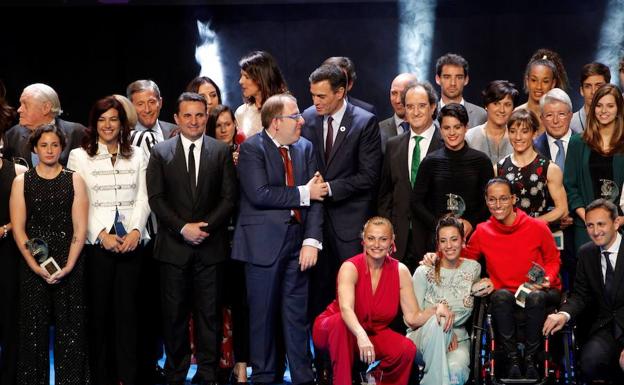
point(318, 187)
point(116, 244)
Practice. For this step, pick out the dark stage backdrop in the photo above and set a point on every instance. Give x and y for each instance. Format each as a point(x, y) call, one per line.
point(86, 50)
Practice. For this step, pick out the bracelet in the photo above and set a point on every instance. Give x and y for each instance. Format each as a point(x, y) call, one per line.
point(6, 231)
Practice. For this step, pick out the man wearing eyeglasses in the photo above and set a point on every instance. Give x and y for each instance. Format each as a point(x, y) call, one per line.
point(556, 116)
point(278, 235)
point(511, 242)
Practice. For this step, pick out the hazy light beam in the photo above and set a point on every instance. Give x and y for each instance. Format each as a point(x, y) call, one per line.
point(611, 44)
point(416, 27)
point(207, 55)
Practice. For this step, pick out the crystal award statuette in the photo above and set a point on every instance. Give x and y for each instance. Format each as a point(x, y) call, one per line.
point(40, 251)
point(609, 190)
point(536, 276)
point(455, 204)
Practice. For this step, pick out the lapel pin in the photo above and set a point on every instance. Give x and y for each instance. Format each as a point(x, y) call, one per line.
point(342, 129)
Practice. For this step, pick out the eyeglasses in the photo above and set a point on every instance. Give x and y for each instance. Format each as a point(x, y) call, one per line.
point(560, 115)
point(504, 200)
point(296, 116)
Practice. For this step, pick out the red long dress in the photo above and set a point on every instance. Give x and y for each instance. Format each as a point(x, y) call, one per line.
point(374, 311)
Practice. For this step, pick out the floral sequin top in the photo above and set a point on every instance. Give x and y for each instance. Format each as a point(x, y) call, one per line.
point(454, 288)
point(528, 184)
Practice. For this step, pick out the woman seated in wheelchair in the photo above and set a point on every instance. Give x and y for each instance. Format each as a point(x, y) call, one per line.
point(447, 354)
point(512, 243)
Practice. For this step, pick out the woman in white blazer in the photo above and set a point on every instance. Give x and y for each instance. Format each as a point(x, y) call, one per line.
point(114, 172)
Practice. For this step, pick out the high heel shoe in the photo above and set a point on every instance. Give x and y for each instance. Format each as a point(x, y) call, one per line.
point(234, 378)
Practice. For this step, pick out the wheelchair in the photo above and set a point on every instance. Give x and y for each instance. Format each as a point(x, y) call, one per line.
point(556, 361)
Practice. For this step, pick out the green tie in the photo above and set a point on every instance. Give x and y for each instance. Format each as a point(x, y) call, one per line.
point(415, 159)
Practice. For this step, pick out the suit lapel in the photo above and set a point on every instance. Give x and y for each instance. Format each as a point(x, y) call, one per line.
point(619, 269)
point(179, 163)
point(402, 157)
point(436, 142)
point(343, 131)
point(275, 161)
point(318, 132)
point(204, 158)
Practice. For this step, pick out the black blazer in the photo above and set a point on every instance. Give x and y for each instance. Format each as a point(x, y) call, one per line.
point(352, 170)
point(541, 146)
point(589, 289)
point(395, 192)
point(171, 200)
point(17, 141)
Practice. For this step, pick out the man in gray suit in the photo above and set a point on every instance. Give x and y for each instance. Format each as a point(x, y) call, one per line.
point(39, 105)
point(392, 126)
point(452, 77)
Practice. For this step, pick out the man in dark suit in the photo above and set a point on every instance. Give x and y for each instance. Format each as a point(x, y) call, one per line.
point(192, 188)
point(39, 105)
point(278, 235)
point(598, 289)
point(347, 66)
point(348, 151)
point(452, 77)
point(149, 130)
point(392, 126)
point(400, 169)
point(556, 115)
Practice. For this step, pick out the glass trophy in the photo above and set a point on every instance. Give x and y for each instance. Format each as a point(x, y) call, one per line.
point(536, 276)
point(455, 204)
point(40, 251)
point(609, 190)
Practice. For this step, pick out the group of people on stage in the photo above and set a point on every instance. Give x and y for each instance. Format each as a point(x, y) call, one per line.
point(133, 234)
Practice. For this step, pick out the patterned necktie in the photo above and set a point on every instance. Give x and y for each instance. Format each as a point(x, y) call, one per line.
point(415, 159)
point(329, 140)
point(560, 158)
point(290, 176)
point(191, 169)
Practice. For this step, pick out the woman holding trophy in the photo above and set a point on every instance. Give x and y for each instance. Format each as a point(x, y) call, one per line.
point(49, 207)
point(114, 173)
point(453, 178)
point(594, 165)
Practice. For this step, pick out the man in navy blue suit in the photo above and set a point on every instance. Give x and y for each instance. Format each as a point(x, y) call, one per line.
point(348, 150)
point(278, 234)
point(556, 116)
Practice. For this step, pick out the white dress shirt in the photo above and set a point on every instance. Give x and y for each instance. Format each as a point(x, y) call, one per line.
point(186, 144)
point(397, 123)
point(565, 140)
point(613, 250)
point(423, 145)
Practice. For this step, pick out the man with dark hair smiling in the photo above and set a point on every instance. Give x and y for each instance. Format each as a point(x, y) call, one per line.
point(597, 288)
point(593, 76)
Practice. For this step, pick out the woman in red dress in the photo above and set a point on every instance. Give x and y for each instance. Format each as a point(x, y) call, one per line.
point(371, 286)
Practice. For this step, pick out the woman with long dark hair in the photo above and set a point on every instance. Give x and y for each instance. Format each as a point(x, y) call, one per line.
point(207, 88)
point(114, 172)
point(260, 78)
point(594, 165)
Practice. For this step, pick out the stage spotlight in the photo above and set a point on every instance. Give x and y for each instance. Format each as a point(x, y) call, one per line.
point(207, 55)
point(416, 26)
point(611, 43)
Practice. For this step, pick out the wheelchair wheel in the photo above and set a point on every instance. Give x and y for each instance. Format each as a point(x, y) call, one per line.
point(479, 353)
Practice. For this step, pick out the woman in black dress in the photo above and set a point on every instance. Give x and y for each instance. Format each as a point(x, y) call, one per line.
point(50, 202)
point(536, 182)
point(452, 177)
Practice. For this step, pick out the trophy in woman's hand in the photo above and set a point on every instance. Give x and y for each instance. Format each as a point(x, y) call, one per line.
point(40, 251)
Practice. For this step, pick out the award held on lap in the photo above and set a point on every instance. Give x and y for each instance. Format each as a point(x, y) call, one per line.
point(537, 276)
point(40, 251)
point(609, 190)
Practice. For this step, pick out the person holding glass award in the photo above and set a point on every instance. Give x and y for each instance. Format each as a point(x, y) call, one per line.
point(453, 178)
point(49, 208)
point(114, 173)
point(594, 166)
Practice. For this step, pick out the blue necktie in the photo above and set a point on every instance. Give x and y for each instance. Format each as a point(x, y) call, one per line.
point(405, 126)
point(560, 158)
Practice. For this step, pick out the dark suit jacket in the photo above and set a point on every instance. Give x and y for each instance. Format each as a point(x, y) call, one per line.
point(362, 104)
point(352, 171)
point(395, 191)
point(387, 129)
point(171, 200)
point(17, 145)
point(541, 146)
point(476, 115)
point(589, 289)
point(266, 201)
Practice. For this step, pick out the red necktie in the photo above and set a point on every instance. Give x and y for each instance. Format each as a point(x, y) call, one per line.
point(329, 140)
point(290, 177)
